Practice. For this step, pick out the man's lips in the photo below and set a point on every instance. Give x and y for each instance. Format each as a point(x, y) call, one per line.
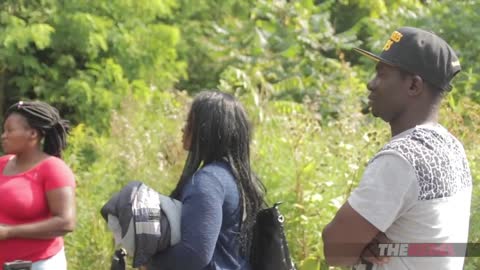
point(371, 98)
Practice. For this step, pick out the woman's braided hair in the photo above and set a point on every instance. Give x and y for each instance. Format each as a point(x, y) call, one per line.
point(220, 131)
point(46, 119)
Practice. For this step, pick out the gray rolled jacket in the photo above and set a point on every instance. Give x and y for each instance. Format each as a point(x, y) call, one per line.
point(143, 220)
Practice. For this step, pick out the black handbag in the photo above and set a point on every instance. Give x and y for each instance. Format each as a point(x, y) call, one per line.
point(269, 250)
point(118, 260)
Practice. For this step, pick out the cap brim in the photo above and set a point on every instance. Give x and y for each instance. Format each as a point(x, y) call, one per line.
point(373, 56)
point(368, 54)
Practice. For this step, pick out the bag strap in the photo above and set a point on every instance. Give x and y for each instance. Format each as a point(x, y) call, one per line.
point(118, 260)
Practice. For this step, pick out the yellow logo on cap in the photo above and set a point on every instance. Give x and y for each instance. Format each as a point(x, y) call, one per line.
point(395, 37)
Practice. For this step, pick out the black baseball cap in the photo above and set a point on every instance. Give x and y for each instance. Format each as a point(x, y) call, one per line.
point(422, 53)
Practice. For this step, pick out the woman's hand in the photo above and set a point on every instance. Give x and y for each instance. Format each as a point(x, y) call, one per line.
point(4, 231)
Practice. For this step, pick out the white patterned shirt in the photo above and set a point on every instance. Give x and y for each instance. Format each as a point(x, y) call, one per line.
point(417, 189)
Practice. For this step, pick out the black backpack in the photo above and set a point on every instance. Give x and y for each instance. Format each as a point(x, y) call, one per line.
point(269, 250)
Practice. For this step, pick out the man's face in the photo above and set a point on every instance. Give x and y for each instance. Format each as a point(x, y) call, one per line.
point(388, 92)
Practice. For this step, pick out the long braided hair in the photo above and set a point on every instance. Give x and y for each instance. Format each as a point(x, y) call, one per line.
point(47, 121)
point(220, 131)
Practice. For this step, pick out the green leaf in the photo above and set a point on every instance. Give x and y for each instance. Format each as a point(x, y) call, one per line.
point(41, 35)
point(310, 264)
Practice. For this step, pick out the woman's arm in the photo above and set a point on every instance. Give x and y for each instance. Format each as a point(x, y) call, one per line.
point(61, 203)
point(201, 223)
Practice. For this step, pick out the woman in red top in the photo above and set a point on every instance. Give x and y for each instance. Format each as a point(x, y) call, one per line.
point(37, 205)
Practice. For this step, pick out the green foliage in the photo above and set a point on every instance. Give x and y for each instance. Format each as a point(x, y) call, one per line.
point(201, 22)
point(84, 56)
point(455, 21)
point(141, 146)
point(279, 53)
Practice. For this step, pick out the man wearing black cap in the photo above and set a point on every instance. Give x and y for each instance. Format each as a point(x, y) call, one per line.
point(417, 188)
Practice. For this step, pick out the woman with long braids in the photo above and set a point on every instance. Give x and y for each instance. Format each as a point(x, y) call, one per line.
point(37, 188)
point(220, 193)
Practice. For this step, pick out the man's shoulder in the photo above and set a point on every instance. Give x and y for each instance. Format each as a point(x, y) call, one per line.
point(437, 157)
point(424, 138)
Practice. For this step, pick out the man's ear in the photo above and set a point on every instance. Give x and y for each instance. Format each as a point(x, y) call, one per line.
point(417, 86)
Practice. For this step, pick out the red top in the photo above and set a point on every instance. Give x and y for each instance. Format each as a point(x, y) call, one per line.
point(23, 200)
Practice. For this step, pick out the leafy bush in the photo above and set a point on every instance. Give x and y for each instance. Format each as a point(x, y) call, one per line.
point(86, 56)
point(110, 66)
point(144, 144)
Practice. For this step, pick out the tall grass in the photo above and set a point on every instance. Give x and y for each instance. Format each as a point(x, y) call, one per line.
point(308, 162)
